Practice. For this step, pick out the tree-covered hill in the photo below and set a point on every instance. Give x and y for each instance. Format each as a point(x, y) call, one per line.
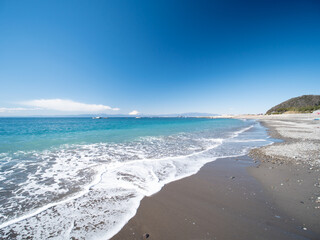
point(302, 104)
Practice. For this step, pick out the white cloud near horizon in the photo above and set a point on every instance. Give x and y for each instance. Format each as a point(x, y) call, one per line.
point(66, 105)
point(4, 109)
point(134, 112)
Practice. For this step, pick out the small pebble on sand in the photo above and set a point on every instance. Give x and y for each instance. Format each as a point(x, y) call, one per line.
point(146, 235)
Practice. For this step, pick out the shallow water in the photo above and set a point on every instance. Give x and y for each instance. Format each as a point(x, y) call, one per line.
point(84, 178)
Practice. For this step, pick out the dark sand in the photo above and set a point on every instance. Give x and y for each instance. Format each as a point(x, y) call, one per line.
point(221, 201)
point(294, 189)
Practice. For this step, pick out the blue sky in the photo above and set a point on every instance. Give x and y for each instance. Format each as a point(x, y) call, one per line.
point(155, 57)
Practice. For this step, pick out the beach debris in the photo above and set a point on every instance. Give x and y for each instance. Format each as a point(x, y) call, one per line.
point(146, 235)
point(305, 229)
point(232, 177)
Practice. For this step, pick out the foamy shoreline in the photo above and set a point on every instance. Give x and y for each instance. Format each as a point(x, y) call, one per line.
point(119, 186)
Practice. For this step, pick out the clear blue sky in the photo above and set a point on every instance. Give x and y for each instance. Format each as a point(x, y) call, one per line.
point(226, 56)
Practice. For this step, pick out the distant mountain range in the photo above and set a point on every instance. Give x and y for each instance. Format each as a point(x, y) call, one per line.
point(302, 104)
point(103, 115)
point(193, 114)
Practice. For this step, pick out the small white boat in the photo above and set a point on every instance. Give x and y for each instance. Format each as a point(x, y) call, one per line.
point(96, 117)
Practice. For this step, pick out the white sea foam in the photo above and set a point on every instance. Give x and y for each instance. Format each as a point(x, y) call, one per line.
point(91, 191)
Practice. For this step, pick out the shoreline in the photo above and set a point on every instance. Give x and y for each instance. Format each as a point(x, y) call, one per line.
point(221, 201)
point(276, 198)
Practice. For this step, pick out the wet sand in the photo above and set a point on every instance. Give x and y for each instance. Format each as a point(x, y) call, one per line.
point(274, 197)
point(222, 201)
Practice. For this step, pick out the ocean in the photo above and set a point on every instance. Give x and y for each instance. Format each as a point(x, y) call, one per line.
point(83, 178)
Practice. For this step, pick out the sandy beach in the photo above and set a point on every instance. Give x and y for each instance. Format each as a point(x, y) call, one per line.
point(274, 193)
point(290, 170)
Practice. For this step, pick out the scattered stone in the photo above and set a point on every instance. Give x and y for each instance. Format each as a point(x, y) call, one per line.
point(146, 235)
point(232, 177)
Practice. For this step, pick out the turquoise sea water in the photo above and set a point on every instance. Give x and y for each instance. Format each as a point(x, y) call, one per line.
point(84, 178)
point(25, 134)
